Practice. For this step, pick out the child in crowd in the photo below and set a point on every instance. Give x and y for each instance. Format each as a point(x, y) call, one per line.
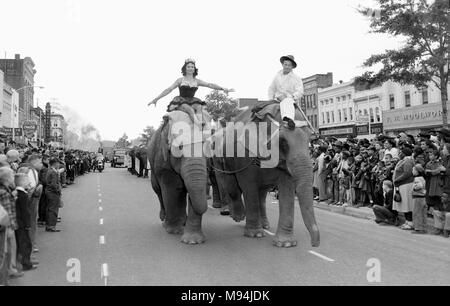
point(419, 203)
point(441, 214)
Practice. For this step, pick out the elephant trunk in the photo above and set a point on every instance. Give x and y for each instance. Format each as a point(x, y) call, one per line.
point(194, 174)
point(300, 168)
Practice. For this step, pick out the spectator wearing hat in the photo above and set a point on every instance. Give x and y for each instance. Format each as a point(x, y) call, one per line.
point(403, 181)
point(419, 203)
point(287, 87)
point(53, 193)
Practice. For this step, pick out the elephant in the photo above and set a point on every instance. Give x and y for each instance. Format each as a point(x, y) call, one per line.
point(292, 175)
point(175, 178)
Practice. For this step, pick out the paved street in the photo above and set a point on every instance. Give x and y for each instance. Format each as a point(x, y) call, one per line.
point(110, 220)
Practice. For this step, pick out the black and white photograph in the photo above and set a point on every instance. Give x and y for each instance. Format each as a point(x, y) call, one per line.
point(224, 149)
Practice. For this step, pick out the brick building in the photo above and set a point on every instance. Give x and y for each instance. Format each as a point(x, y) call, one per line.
point(19, 72)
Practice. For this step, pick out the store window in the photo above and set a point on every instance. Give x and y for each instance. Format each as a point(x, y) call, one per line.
point(378, 114)
point(391, 101)
point(425, 96)
point(407, 99)
point(350, 111)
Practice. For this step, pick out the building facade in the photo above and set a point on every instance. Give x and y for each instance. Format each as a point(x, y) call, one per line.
point(368, 110)
point(40, 119)
point(337, 110)
point(411, 110)
point(9, 109)
point(20, 73)
point(311, 86)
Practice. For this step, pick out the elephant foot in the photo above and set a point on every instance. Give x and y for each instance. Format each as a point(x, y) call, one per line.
point(238, 217)
point(254, 233)
point(175, 230)
point(265, 224)
point(193, 238)
point(284, 241)
point(315, 237)
point(217, 204)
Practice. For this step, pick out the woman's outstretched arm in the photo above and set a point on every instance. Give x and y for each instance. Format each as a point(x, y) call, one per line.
point(165, 92)
point(214, 86)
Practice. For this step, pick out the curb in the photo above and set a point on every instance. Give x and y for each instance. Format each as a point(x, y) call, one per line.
point(362, 213)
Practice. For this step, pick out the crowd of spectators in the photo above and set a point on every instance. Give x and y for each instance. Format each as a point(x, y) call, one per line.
point(405, 176)
point(31, 183)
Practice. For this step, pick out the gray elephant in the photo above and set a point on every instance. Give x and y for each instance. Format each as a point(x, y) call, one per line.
point(174, 179)
point(292, 175)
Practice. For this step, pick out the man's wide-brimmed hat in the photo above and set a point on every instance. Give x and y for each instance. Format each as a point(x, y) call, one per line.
point(288, 58)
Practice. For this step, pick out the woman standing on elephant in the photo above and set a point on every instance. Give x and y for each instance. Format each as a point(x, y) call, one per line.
point(188, 85)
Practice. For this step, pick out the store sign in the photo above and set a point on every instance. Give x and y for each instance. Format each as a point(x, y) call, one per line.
point(413, 117)
point(375, 128)
point(343, 131)
point(18, 132)
point(29, 128)
point(8, 131)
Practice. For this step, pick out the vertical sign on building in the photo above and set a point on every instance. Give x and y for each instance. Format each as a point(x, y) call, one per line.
point(48, 114)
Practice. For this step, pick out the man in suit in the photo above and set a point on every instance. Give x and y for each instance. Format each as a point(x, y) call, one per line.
point(53, 194)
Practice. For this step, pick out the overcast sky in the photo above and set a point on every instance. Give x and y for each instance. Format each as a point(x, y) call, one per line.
point(106, 59)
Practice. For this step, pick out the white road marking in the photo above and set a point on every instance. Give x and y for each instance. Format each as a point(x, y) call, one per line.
point(105, 273)
point(101, 221)
point(270, 233)
point(99, 200)
point(99, 194)
point(321, 256)
point(102, 239)
point(100, 208)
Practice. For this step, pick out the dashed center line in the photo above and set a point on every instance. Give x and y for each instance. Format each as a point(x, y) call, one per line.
point(101, 221)
point(321, 256)
point(105, 273)
point(102, 240)
point(99, 200)
point(100, 208)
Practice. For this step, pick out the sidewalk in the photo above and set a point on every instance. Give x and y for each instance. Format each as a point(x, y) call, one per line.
point(362, 212)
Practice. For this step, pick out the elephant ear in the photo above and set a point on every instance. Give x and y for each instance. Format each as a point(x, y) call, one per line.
point(164, 141)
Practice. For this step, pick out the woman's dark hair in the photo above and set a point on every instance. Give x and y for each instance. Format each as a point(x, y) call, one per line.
point(183, 69)
point(417, 150)
point(407, 151)
point(323, 149)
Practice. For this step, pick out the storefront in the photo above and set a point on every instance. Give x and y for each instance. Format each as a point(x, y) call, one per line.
point(375, 129)
point(413, 120)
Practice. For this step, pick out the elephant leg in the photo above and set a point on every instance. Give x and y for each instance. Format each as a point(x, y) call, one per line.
point(262, 209)
point(233, 195)
point(305, 200)
point(157, 189)
point(193, 230)
point(217, 198)
point(253, 226)
point(174, 200)
point(285, 236)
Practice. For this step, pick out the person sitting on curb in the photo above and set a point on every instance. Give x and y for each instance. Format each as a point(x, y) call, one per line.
point(385, 215)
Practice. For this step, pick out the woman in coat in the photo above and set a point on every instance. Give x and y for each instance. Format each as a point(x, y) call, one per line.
point(403, 181)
